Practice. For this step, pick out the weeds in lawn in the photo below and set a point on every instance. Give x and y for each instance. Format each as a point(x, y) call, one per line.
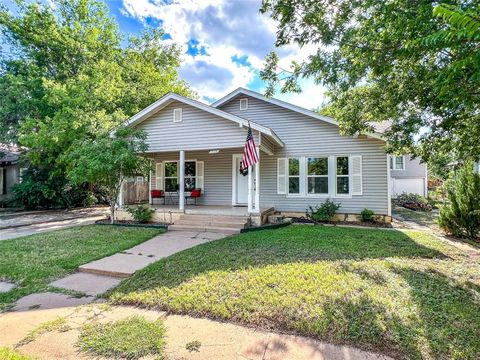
point(132, 338)
point(58, 324)
point(9, 354)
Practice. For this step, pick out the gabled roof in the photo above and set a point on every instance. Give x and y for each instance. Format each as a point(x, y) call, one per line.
point(170, 97)
point(283, 104)
point(9, 154)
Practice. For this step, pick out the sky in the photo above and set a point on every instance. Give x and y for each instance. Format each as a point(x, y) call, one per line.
point(224, 43)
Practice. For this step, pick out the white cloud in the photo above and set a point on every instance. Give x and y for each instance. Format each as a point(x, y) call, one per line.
point(225, 28)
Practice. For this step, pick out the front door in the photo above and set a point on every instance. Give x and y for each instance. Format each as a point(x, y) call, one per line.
point(240, 182)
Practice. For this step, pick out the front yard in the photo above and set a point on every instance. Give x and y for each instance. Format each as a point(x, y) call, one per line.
point(33, 261)
point(408, 294)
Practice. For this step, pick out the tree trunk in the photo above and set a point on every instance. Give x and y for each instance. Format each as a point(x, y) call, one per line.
point(112, 211)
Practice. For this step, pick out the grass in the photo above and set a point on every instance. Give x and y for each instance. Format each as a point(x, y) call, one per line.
point(33, 261)
point(132, 338)
point(405, 294)
point(9, 354)
point(58, 324)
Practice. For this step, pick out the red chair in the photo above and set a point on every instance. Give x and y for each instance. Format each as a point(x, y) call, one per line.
point(194, 194)
point(158, 194)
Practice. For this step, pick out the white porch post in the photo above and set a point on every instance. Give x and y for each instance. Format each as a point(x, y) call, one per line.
point(120, 195)
point(150, 188)
point(257, 182)
point(250, 190)
point(181, 169)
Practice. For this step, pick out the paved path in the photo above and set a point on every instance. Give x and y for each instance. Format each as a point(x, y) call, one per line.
point(98, 276)
point(15, 232)
point(27, 218)
point(218, 340)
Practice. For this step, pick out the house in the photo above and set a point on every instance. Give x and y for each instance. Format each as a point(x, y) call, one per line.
point(303, 158)
point(9, 170)
point(408, 176)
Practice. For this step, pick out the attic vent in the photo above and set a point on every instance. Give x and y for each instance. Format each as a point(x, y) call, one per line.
point(243, 104)
point(177, 115)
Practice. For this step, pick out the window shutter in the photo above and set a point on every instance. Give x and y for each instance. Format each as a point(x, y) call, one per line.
point(356, 175)
point(199, 174)
point(177, 115)
point(159, 176)
point(282, 175)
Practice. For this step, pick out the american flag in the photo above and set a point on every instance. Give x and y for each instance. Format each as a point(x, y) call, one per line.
point(250, 156)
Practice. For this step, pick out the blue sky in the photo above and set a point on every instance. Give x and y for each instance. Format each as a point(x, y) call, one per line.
point(224, 43)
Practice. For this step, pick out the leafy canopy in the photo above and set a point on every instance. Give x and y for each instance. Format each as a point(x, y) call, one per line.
point(108, 160)
point(412, 63)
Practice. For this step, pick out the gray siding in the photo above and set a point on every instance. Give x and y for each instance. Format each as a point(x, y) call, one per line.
point(413, 169)
point(303, 136)
point(198, 130)
point(12, 178)
point(217, 173)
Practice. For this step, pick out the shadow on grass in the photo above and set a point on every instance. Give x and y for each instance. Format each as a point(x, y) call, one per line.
point(286, 245)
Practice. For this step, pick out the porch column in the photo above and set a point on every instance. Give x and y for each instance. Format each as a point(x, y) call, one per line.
point(181, 192)
point(150, 188)
point(250, 190)
point(257, 182)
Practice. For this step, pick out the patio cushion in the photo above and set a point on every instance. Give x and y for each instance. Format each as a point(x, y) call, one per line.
point(157, 194)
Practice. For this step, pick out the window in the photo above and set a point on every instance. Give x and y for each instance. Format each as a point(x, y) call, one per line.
point(190, 175)
point(243, 104)
point(177, 115)
point(397, 162)
point(317, 175)
point(342, 175)
point(293, 176)
point(171, 176)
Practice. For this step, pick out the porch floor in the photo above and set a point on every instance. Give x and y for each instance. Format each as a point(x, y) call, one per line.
point(225, 210)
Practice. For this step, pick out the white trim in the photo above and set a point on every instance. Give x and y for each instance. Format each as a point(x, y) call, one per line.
point(349, 176)
point(170, 97)
point(250, 190)
point(150, 187)
point(177, 111)
point(257, 182)
point(389, 188)
point(245, 100)
point(181, 176)
point(234, 178)
point(285, 105)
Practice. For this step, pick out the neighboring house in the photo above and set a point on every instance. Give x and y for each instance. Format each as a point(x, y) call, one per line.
point(9, 170)
point(408, 176)
point(303, 158)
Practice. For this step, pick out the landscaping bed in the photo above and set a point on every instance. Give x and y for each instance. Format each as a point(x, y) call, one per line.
point(405, 294)
point(31, 262)
point(132, 223)
point(305, 220)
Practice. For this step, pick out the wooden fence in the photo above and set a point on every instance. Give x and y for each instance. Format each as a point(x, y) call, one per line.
point(135, 192)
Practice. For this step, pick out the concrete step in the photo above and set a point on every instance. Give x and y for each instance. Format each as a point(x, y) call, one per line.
point(213, 229)
point(215, 218)
point(214, 223)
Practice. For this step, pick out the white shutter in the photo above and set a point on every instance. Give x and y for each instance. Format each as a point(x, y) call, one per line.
point(1, 180)
point(199, 174)
point(177, 115)
point(356, 162)
point(282, 169)
point(159, 176)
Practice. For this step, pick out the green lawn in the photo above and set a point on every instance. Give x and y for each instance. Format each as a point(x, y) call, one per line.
point(33, 261)
point(408, 295)
point(425, 218)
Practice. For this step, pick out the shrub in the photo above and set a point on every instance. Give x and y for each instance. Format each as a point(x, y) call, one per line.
point(323, 212)
point(142, 213)
point(460, 216)
point(367, 215)
point(413, 202)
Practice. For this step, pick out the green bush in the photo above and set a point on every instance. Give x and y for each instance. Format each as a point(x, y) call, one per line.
point(141, 213)
point(460, 216)
point(323, 212)
point(367, 215)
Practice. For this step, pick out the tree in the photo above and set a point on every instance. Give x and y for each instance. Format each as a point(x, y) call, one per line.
point(409, 62)
point(108, 160)
point(461, 215)
point(67, 77)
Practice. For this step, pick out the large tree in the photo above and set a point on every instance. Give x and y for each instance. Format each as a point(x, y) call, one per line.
point(67, 74)
point(413, 63)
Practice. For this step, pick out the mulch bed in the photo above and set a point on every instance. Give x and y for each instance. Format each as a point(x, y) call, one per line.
point(131, 223)
point(304, 220)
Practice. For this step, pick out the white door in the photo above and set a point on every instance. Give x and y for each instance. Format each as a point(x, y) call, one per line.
point(240, 182)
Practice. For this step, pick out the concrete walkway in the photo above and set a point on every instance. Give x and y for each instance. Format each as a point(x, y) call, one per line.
point(98, 276)
point(218, 340)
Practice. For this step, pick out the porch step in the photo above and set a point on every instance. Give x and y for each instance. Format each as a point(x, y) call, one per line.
point(210, 223)
point(213, 229)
